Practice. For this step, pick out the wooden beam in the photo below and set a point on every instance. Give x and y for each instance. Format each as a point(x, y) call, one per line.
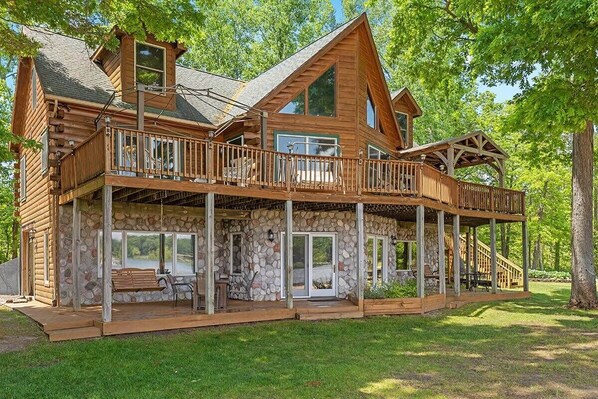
point(450, 152)
point(475, 250)
point(493, 269)
point(456, 256)
point(107, 254)
point(479, 152)
point(525, 255)
point(441, 262)
point(419, 239)
point(76, 254)
point(360, 227)
point(468, 256)
point(288, 255)
point(82, 191)
point(209, 240)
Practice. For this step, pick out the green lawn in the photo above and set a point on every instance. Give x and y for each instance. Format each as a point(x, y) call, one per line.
point(528, 348)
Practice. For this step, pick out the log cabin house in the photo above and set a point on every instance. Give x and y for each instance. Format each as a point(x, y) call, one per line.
point(307, 173)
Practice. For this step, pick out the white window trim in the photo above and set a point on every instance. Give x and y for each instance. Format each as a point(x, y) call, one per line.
point(23, 179)
point(407, 119)
point(240, 136)
point(305, 138)
point(124, 247)
point(149, 68)
point(410, 244)
point(45, 153)
point(385, 256)
point(373, 147)
point(310, 237)
point(46, 262)
point(230, 255)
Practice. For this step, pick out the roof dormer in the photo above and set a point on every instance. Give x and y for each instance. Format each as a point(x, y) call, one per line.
point(150, 62)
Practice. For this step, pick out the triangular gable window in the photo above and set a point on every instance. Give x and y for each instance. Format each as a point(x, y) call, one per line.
point(370, 111)
point(321, 97)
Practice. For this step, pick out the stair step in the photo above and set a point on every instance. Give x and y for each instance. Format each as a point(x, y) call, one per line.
point(74, 333)
point(330, 315)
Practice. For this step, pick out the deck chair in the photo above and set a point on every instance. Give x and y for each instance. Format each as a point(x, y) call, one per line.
point(199, 291)
point(178, 288)
point(241, 171)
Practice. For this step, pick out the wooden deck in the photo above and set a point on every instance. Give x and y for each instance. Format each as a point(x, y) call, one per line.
point(270, 175)
point(63, 323)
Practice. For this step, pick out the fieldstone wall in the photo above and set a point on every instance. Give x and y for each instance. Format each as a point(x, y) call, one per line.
point(261, 276)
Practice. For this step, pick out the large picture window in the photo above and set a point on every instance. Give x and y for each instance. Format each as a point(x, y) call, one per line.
point(320, 95)
point(150, 65)
point(163, 252)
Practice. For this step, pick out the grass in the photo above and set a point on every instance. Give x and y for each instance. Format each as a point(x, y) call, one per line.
point(532, 348)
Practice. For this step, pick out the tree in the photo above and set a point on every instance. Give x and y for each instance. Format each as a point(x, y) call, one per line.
point(549, 49)
point(243, 38)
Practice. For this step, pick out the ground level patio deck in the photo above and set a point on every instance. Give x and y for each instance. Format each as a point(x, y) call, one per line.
point(62, 323)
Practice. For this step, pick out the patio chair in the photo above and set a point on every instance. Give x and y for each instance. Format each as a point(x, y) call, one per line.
point(199, 291)
point(241, 171)
point(177, 287)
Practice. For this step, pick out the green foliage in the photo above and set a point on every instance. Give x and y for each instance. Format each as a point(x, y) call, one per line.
point(392, 289)
point(242, 38)
point(549, 275)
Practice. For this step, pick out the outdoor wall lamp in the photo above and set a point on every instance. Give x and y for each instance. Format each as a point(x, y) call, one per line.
point(270, 235)
point(393, 240)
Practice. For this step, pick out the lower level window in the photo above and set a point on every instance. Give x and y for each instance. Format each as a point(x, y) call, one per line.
point(377, 257)
point(406, 253)
point(163, 252)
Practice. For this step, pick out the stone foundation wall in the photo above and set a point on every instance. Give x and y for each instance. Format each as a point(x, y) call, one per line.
point(261, 276)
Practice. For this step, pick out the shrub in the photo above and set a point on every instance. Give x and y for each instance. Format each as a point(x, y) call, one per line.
point(392, 289)
point(549, 275)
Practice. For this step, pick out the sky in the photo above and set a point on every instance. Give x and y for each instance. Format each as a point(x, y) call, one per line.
point(502, 92)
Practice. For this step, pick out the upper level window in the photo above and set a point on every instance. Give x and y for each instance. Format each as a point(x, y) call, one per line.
point(33, 89)
point(402, 120)
point(239, 140)
point(321, 97)
point(375, 153)
point(150, 64)
point(370, 111)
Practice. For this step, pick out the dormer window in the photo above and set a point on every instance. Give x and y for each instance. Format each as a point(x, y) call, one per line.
point(320, 95)
point(403, 121)
point(370, 111)
point(150, 65)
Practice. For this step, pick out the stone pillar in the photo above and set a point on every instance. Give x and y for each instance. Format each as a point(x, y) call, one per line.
point(456, 256)
point(419, 238)
point(441, 263)
point(288, 254)
point(107, 254)
point(493, 270)
point(525, 256)
point(360, 227)
point(209, 240)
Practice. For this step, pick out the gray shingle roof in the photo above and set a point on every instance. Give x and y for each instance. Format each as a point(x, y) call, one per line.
point(65, 69)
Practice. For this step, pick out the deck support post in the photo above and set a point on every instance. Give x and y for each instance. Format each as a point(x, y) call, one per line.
point(107, 254)
point(493, 270)
point(468, 257)
point(360, 227)
point(475, 251)
point(456, 256)
point(525, 256)
point(419, 239)
point(76, 255)
point(288, 253)
point(209, 240)
point(441, 263)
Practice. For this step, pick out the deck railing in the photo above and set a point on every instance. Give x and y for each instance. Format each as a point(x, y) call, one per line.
point(137, 153)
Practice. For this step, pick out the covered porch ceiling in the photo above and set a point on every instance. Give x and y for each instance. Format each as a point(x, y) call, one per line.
point(472, 149)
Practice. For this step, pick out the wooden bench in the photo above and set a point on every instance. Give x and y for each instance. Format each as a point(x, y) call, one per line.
point(135, 280)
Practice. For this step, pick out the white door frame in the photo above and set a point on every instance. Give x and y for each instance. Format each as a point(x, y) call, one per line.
point(312, 293)
point(385, 257)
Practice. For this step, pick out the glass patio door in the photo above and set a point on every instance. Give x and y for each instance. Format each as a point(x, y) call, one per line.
point(376, 255)
point(300, 265)
point(322, 266)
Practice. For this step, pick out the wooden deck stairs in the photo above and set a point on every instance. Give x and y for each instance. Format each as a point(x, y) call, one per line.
point(327, 310)
point(510, 275)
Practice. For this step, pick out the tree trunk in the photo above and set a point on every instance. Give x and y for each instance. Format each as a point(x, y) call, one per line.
point(583, 284)
point(537, 258)
point(557, 256)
